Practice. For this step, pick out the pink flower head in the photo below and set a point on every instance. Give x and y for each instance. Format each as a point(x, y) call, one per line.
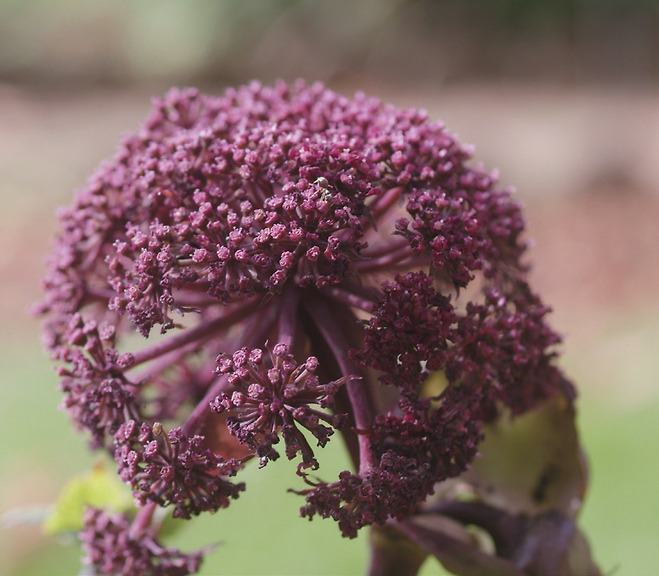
point(312, 262)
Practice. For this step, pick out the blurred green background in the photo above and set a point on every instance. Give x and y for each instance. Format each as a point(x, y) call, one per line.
point(562, 96)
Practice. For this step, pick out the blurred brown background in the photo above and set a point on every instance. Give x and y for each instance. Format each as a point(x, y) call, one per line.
point(562, 97)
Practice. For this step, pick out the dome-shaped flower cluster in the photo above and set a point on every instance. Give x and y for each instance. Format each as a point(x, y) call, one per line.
point(350, 240)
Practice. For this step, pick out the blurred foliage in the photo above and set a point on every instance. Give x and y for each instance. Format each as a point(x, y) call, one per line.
point(398, 40)
point(99, 488)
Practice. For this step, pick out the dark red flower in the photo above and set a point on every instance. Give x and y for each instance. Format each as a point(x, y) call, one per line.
point(352, 236)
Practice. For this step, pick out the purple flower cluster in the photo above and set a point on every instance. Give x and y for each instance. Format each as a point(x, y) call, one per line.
point(99, 396)
point(415, 452)
point(265, 402)
point(313, 263)
point(174, 469)
point(111, 547)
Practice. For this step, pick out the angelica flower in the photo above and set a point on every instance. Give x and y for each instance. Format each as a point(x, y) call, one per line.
point(311, 262)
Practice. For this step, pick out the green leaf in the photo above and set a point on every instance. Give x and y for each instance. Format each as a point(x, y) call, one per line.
point(98, 488)
point(532, 463)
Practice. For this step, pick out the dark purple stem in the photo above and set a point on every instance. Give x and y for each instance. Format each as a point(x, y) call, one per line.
point(390, 258)
point(255, 333)
point(457, 556)
point(288, 317)
point(383, 249)
point(352, 299)
point(361, 403)
point(142, 520)
point(384, 202)
point(504, 528)
point(235, 315)
point(393, 554)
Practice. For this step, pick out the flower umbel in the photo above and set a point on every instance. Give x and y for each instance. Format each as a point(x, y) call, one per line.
point(313, 263)
point(267, 401)
point(174, 469)
point(111, 547)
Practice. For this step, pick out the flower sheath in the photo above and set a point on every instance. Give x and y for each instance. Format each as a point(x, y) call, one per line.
point(311, 262)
